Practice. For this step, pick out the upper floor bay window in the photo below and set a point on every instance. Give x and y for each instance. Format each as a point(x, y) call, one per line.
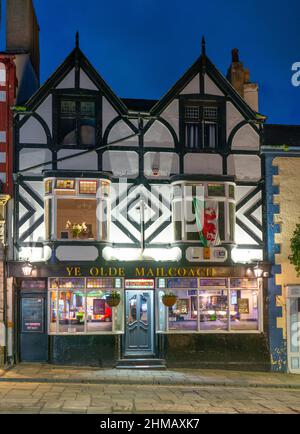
point(77, 209)
point(77, 121)
point(204, 212)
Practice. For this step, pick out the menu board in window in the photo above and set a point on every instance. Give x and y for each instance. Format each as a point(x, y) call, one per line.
point(98, 306)
point(32, 313)
point(243, 305)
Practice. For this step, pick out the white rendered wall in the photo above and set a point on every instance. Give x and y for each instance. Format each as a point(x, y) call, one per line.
point(33, 132)
point(30, 157)
point(167, 164)
point(121, 163)
point(171, 115)
point(244, 167)
point(203, 164)
point(192, 87)
point(45, 111)
point(83, 162)
point(85, 82)
point(233, 117)
point(246, 138)
point(119, 131)
point(108, 114)
point(68, 82)
point(210, 88)
point(158, 135)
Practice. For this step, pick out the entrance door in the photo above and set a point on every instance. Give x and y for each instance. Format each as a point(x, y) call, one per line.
point(293, 323)
point(33, 338)
point(139, 339)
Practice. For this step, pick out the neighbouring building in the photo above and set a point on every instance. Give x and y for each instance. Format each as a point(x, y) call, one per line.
point(142, 198)
point(19, 78)
point(282, 165)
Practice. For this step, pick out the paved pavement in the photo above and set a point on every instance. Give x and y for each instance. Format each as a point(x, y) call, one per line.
point(42, 388)
point(87, 375)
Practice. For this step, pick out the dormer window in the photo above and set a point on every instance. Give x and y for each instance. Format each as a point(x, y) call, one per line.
point(77, 121)
point(201, 125)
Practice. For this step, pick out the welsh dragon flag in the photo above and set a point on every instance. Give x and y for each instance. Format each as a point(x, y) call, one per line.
point(206, 213)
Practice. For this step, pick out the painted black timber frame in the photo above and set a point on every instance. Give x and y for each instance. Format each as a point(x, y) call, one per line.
point(77, 60)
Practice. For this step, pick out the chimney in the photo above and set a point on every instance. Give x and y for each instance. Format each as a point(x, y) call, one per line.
point(239, 77)
point(22, 30)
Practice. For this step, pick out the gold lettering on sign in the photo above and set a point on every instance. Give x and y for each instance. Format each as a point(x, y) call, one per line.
point(74, 271)
point(94, 271)
point(140, 272)
point(70, 271)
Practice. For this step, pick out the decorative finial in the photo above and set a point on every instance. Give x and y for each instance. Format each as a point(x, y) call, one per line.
point(77, 39)
point(203, 52)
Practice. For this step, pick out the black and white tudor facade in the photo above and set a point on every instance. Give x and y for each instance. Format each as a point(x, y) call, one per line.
point(101, 206)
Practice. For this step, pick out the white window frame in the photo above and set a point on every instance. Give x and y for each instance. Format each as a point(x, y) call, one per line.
point(85, 291)
point(199, 331)
point(225, 199)
point(98, 198)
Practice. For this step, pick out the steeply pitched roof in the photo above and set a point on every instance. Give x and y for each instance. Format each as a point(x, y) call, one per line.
point(139, 105)
point(75, 57)
point(281, 135)
point(204, 65)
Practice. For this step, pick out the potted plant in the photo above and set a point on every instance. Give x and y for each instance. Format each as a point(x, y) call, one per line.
point(169, 299)
point(77, 229)
point(113, 299)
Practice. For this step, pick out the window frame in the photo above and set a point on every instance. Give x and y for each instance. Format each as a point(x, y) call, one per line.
point(99, 197)
point(226, 199)
point(204, 101)
point(229, 329)
point(77, 96)
point(86, 290)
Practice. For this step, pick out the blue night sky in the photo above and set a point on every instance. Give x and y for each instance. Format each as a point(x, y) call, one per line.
point(141, 47)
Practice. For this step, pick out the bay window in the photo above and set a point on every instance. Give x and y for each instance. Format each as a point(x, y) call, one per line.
point(79, 306)
point(203, 212)
point(77, 209)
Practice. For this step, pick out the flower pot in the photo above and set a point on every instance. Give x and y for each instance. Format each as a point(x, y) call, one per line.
point(169, 300)
point(112, 301)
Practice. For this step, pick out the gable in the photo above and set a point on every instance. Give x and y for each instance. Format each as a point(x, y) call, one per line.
point(68, 76)
point(204, 78)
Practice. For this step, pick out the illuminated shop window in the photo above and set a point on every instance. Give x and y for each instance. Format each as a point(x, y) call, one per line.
point(212, 308)
point(99, 313)
point(74, 308)
point(71, 311)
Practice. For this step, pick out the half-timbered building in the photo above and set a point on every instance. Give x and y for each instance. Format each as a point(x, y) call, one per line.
point(130, 200)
